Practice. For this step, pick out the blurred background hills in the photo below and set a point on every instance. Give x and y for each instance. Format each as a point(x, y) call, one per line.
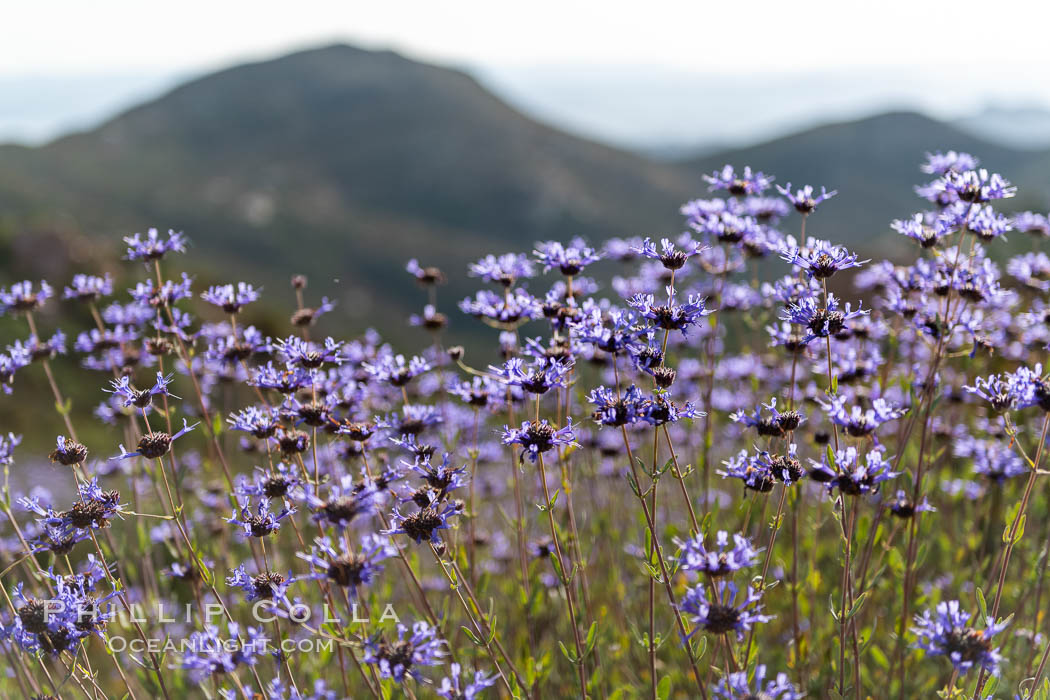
point(344, 162)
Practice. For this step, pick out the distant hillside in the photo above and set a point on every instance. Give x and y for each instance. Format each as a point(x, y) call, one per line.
point(343, 163)
point(1022, 127)
point(873, 163)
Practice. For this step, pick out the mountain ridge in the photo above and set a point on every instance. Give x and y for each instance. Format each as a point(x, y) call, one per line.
point(873, 164)
point(366, 157)
point(344, 162)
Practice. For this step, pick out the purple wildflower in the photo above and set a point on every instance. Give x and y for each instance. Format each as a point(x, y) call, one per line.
point(424, 524)
point(737, 686)
point(660, 410)
point(349, 569)
point(229, 298)
point(431, 319)
point(452, 689)
point(570, 260)
point(89, 287)
point(505, 269)
point(721, 560)
point(820, 321)
point(850, 475)
point(140, 399)
point(803, 200)
point(924, 229)
point(616, 410)
point(478, 391)
point(344, 503)
point(947, 632)
point(296, 351)
point(671, 315)
point(260, 522)
point(940, 163)
point(820, 259)
point(860, 422)
point(903, 507)
point(720, 609)
point(537, 437)
point(1032, 223)
point(402, 658)
point(10, 362)
point(745, 183)
point(1013, 390)
point(503, 309)
point(260, 422)
point(20, 297)
point(68, 452)
point(207, 653)
point(538, 378)
point(670, 256)
point(156, 444)
point(269, 585)
point(153, 247)
point(776, 424)
point(425, 275)
point(395, 370)
point(975, 185)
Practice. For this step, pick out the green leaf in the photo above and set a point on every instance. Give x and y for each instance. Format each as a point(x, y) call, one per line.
point(1011, 515)
point(700, 649)
point(663, 688)
point(556, 563)
point(982, 604)
point(634, 485)
point(920, 557)
point(879, 657)
point(1020, 529)
point(857, 604)
point(205, 572)
point(473, 637)
point(492, 629)
point(592, 635)
point(530, 670)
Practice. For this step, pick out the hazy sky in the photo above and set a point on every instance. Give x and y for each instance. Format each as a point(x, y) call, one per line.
point(67, 35)
point(66, 63)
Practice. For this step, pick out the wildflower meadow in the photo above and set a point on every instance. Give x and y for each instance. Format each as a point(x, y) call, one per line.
point(738, 462)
